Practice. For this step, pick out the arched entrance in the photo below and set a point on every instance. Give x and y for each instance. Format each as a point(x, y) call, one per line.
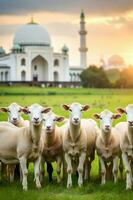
point(56, 76)
point(39, 69)
point(23, 76)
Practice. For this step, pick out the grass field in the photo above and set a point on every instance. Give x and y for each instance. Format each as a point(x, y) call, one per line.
point(98, 99)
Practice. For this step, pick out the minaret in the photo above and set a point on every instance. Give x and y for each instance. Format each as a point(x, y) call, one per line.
point(83, 49)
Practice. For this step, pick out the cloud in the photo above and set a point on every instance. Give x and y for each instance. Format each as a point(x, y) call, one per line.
point(101, 7)
point(6, 30)
point(65, 29)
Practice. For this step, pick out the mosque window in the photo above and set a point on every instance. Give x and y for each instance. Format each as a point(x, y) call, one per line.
point(35, 67)
point(23, 76)
point(6, 76)
point(56, 62)
point(23, 62)
point(1, 76)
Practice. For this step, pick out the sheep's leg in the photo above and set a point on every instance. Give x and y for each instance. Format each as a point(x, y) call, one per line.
point(86, 175)
point(131, 164)
point(37, 172)
point(103, 170)
point(12, 172)
point(42, 170)
point(69, 170)
point(23, 164)
point(64, 169)
point(80, 168)
point(121, 167)
point(127, 170)
point(58, 170)
point(21, 175)
point(115, 168)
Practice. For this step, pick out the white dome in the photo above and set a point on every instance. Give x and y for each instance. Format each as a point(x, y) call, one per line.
point(32, 34)
point(116, 60)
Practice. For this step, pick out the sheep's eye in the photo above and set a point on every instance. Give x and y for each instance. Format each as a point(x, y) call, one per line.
point(28, 111)
point(100, 117)
point(9, 111)
point(81, 110)
point(125, 112)
point(19, 111)
point(54, 120)
point(70, 110)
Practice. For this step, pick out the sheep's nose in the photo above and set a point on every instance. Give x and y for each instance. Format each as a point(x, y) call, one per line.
point(36, 119)
point(14, 119)
point(130, 123)
point(107, 126)
point(48, 127)
point(76, 119)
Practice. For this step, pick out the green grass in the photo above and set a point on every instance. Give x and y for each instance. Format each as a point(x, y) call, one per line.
point(98, 99)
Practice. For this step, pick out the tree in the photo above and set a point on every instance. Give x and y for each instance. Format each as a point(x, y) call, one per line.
point(94, 77)
point(126, 78)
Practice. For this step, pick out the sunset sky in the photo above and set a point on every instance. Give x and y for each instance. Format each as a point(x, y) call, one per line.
point(109, 24)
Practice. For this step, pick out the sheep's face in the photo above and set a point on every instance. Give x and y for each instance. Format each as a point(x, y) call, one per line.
point(76, 110)
point(106, 117)
point(13, 111)
point(35, 113)
point(50, 120)
point(129, 114)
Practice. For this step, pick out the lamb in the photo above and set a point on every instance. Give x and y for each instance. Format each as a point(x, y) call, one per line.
point(52, 144)
point(19, 145)
point(108, 144)
point(74, 140)
point(126, 142)
point(14, 116)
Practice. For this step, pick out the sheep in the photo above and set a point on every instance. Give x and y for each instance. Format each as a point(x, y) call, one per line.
point(19, 145)
point(74, 140)
point(108, 144)
point(52, 144)
point(14, 116)
point(126, 142)
point(92, 131)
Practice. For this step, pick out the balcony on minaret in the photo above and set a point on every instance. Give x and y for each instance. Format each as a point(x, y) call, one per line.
point(82, 32)
point(83, 49)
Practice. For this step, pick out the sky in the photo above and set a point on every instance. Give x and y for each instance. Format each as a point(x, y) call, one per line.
point(109, 24)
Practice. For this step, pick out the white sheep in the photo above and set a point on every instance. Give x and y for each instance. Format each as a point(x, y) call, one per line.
point(74, 140)
point(108, 143)
point(20, 145)
point(92, 131)
point(126, 142)
point(52, 143)
point(14, 117)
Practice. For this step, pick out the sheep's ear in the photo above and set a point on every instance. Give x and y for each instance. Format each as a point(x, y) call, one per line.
point(25, 110)
point(60, 119)
point(97, 116)
point(85, 107)
point(116, 116)
point(66, 107)
point(121, 110)
point(4, 109)
point(46, 110)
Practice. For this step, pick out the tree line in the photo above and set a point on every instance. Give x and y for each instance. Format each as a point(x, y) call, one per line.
point(97, 77)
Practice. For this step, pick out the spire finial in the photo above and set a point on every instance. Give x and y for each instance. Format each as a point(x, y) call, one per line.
point(82, 15)
point(32, 20)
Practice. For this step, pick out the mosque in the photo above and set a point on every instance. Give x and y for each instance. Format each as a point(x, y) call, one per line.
point(32, 57)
